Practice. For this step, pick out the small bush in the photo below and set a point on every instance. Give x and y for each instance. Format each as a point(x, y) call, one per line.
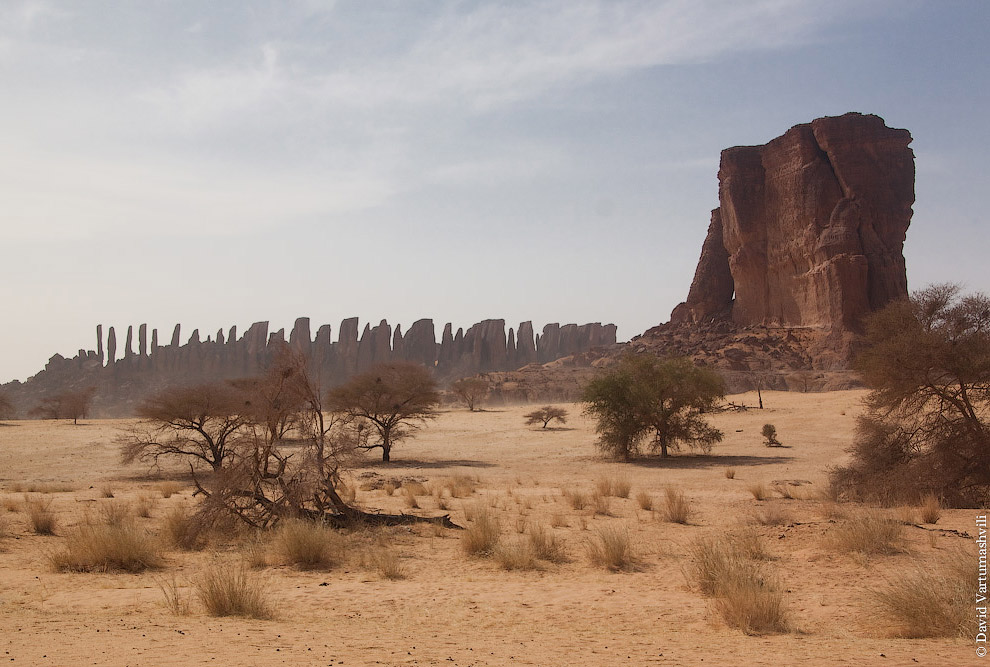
point(676, 508)
point(645, 501)
point(930, 602)
point(611, 548)
point(759, 490)
point(481, 538)
point(101, 547)
point(870, 533)
point(545, 545)
point(40, 517)
point(730, 473)
point(228, 590)
point(308, 545)
point(769, 434)
point(931, 509)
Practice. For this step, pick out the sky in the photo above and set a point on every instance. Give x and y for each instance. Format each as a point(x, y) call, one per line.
point(222, 163)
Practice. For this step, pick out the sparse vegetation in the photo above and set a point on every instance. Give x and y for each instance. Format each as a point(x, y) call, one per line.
point(618, 486)
point(730, 473)
point(184, 530)
point(645, 501)
point(545, 415)
point(772, 515)
point(546, 546)
point(517, 554)
point(576, 498)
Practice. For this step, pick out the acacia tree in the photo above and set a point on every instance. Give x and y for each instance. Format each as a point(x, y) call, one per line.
point(71, 404)
point(545, 415)
point(198, 423)
point(925, 430)
point(393, 398)
point(661, 402)
point(471, 390)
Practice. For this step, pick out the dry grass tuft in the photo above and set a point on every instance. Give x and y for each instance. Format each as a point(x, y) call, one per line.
point(144, 506)
point(41, 519)
point(116, 514)
point(931, 509)
point(772, 515)
point(675, 508)
point(482, 537)
point(388, 488)
point(545, 545)
point(42, 487)
point(409, 498)
point(461, 486)
point(930, 602)
point(516, 555)
point(385, 561)
point(759, 490)
point(227, 590)
point(106, 491)
point(618, 486)
point(415, 488)
point(611, 548)
point(870, 533)
point(645, 501)
point(558, 520)
point(601, 504)
point(906, 515)
point(730, 473)
point(183, 530)
point(832, 511)
point(169, 489)
point(308, 545)
point(174, 600)
point(11, 505)
point(744, 596)
point(577, 499)
point(102, 547)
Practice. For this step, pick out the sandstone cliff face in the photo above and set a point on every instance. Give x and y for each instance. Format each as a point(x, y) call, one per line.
point(812, 228)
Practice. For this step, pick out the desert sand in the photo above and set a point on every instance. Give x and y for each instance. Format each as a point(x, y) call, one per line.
point(458, 610)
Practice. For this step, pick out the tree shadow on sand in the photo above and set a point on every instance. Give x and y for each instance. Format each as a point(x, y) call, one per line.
point(688, 461)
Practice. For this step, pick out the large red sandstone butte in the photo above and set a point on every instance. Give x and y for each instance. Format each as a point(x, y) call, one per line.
point(810, 228)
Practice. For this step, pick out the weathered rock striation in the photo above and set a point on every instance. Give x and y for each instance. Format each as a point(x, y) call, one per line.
point(122, 382)
point(810, 228)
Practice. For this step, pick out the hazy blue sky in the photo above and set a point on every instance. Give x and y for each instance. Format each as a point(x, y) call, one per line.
point(219, 163)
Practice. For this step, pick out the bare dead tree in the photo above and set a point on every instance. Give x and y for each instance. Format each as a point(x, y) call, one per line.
point(271, 478)
point(199, 423)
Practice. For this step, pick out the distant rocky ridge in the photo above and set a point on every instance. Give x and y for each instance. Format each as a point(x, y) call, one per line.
point(808, 239)
point(123, 380)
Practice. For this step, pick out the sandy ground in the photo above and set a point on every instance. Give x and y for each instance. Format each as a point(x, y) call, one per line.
point(452, 609)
